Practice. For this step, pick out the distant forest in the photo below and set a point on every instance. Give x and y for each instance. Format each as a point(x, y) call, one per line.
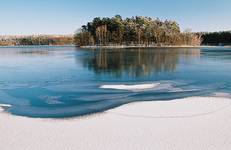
point(217, 38)
point(137, 31)
point(36, 40)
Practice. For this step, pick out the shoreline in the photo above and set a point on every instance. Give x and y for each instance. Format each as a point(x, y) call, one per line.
point(112, 47)
point(19, 46)
point(189, 123)
point(130, 47)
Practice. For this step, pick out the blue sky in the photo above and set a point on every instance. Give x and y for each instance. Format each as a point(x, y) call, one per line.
point(65, 16)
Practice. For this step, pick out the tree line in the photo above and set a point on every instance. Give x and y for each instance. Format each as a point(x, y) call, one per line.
point(217, 38)
point(36, 40)
point(137, 31)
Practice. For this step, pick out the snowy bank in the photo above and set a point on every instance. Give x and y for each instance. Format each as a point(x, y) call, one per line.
point(186, 124)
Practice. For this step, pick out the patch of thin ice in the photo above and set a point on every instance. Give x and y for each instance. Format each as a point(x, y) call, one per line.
point(137, 87)
point(2, 106)
point(5, 105)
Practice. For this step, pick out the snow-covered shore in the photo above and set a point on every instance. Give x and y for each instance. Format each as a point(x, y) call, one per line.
point(196, 123)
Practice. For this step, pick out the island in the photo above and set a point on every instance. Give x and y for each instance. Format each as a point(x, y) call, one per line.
point(136, 31)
